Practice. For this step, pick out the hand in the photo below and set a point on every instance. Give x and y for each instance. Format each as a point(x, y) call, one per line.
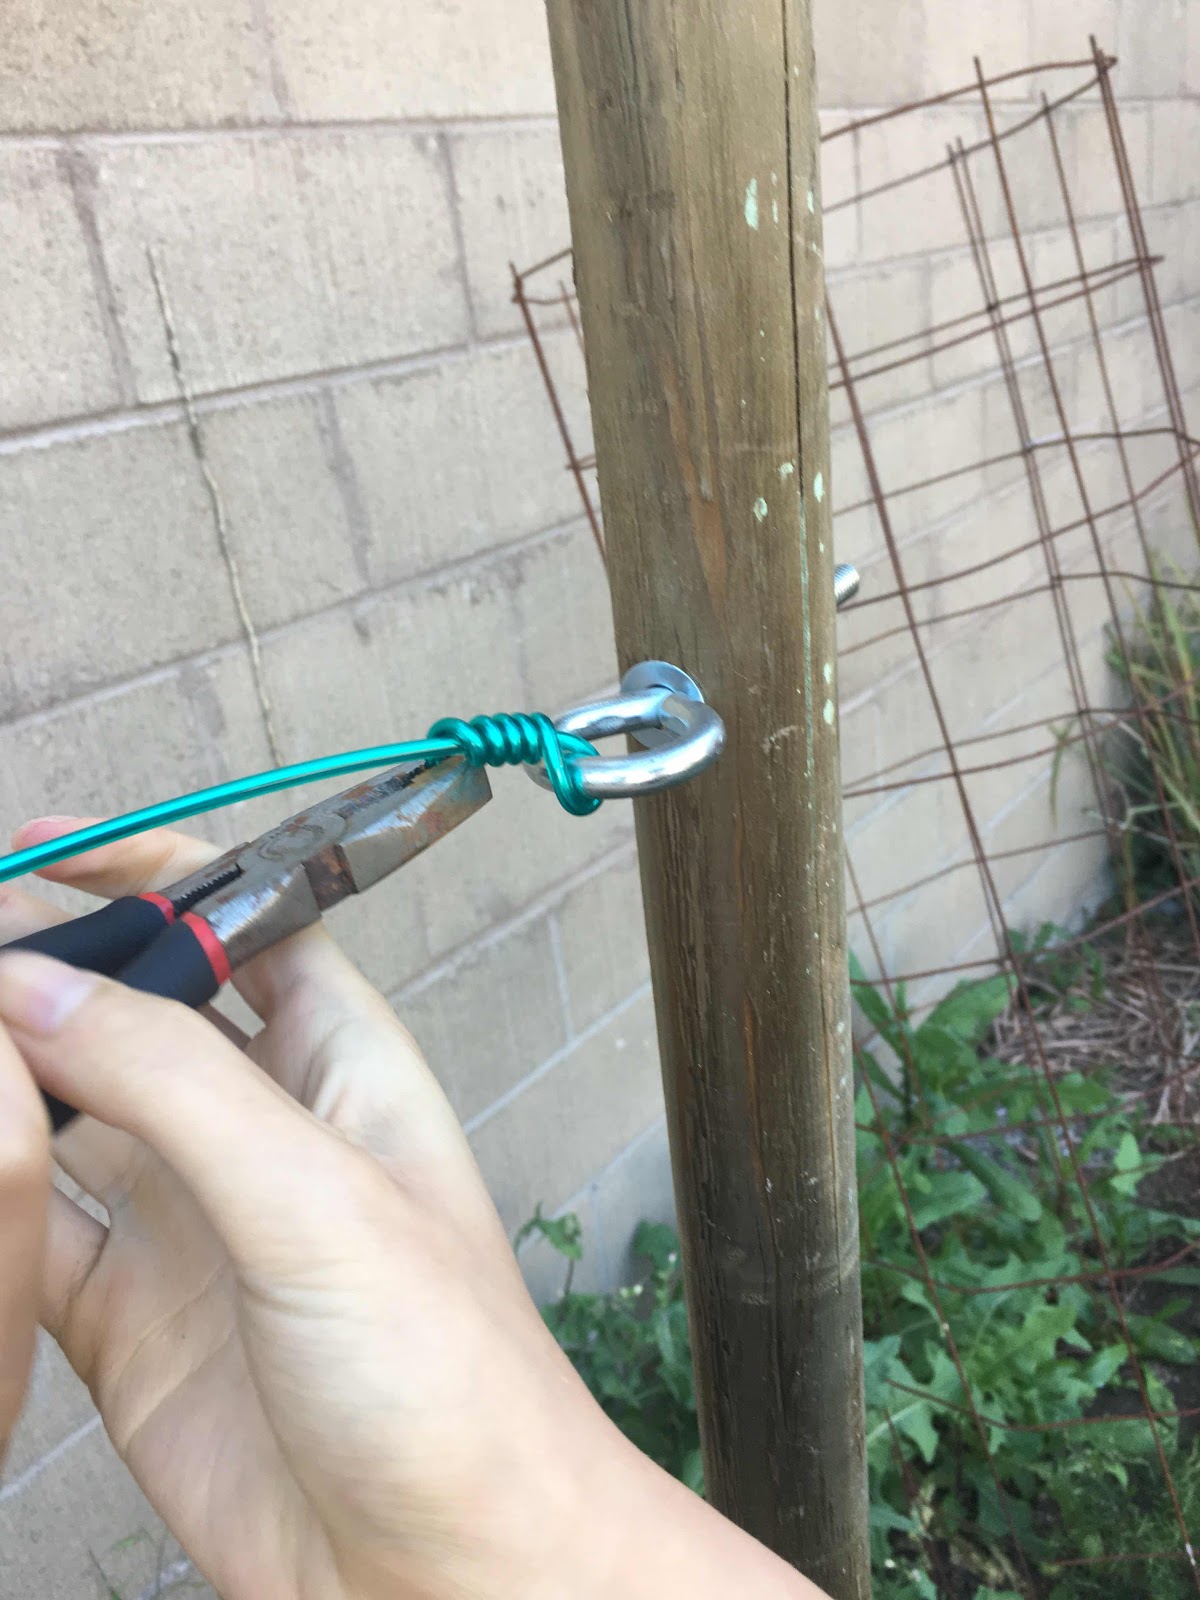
point(24, 1192)
point(303, 1325)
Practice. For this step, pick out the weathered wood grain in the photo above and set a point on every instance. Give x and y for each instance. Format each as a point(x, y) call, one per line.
point(690, 136)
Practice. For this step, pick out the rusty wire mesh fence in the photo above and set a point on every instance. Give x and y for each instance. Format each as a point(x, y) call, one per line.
point(1015, 479)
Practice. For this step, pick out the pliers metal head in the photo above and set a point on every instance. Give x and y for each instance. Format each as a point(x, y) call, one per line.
point(184, 941)
point(283, 881)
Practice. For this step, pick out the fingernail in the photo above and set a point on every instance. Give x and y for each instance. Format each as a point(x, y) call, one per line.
point(39, 829)
point(40, 995)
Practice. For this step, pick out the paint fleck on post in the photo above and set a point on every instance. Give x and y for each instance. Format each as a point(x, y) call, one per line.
point(819, 487)
point(774, 739)
point(828, 712)
point(760, 509)
point(812, 204)
point(752, 203)
point(786, 468)
point(828, 672)
point(775, 212)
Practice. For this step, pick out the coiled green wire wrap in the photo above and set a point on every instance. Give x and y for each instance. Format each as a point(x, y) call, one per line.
point(504, 740)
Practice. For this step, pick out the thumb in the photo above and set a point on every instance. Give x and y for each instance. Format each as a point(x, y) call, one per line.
point(24, 1200)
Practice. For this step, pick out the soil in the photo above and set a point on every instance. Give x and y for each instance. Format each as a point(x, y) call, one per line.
point(1129, 1006)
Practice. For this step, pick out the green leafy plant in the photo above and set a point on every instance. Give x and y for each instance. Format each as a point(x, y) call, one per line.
point(631, 1346)
point(971, 1385)
point(1154, 755)
point(977, 1377)
point(1057, 967)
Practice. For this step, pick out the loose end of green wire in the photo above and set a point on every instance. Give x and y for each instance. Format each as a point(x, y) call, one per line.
point(512, 739)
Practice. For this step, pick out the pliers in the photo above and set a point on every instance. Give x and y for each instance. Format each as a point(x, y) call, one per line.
point(184, 941)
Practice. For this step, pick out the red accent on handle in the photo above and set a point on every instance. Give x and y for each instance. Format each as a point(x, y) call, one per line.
point(161, 901)
point(211, 945)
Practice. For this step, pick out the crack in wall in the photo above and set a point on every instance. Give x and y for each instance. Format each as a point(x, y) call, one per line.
point(217, 504)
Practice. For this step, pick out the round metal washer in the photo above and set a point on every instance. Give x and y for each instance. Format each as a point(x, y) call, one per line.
point(659, 675)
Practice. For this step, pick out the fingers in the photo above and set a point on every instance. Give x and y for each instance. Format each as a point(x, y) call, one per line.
point(22, 913)
point(337, 1046)
point(73, 1245)
point(152, 861)
point(308, 974)
point(24, 1197)
point(103, 1161)
point(334, 1043)
point(130, 866)
point(99, 1157)
point(279, 1189)
point(110, 872)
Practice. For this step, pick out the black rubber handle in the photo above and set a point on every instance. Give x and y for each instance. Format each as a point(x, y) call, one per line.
point(103, 941)
point(177, 966)
point(174, 965)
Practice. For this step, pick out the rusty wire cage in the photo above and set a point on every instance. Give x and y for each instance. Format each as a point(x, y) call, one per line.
point(1019, 730)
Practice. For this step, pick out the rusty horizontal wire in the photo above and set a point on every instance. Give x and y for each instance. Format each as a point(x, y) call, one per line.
point(1115, 716)
point(540, 266)
point(1054, 442)
point(999, 963)
point(1062, 1426)
point(978, 148)
point(1010, 554)
point(1062, 742)
point(1110, 276)
point(1002, 600)
point(1081, 279)
point(947, 95)
point(1122, 1559)
point(1007, 1130)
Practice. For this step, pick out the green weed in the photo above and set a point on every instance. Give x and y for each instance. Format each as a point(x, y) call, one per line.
point(1154, 754)
point(980, 1488)
point(631, 1348)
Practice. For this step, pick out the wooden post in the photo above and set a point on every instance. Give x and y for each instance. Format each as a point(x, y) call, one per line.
point(692, 161)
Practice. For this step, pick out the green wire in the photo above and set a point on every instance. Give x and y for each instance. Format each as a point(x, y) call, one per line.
point(502, 740)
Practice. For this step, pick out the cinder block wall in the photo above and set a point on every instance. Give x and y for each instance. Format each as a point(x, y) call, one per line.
point(331, 193)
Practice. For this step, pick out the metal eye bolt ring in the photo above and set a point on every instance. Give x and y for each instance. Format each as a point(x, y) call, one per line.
point(666, 713)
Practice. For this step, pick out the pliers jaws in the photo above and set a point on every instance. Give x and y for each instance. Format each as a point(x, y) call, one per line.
point(184, 941)
point(283, 881)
